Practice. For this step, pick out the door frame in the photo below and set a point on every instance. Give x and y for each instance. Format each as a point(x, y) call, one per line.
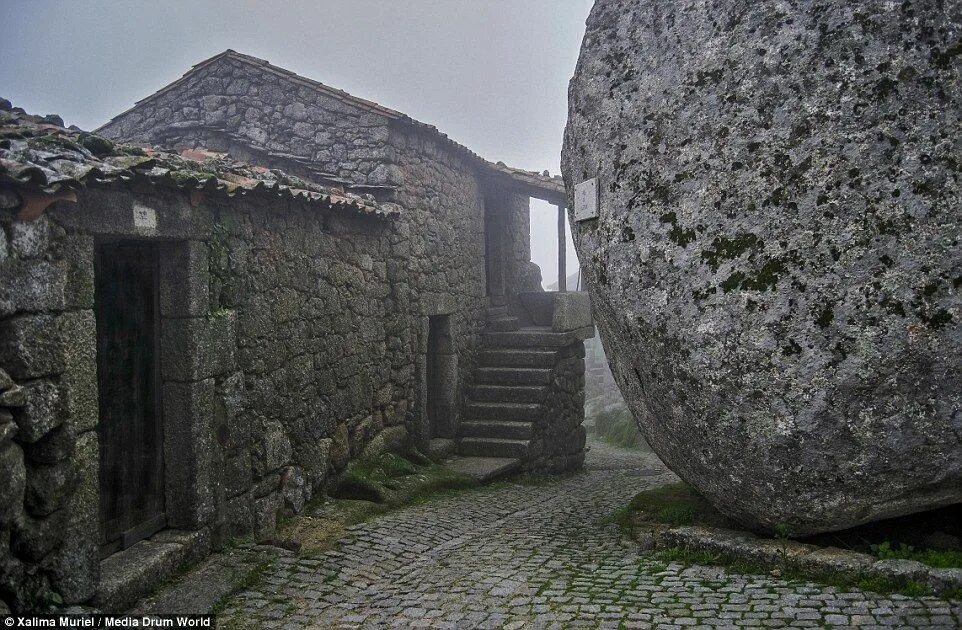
point(156, 522)
point(495, 279)
point(187, 399)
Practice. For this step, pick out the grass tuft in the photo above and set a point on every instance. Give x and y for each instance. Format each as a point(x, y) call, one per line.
point(940, 559)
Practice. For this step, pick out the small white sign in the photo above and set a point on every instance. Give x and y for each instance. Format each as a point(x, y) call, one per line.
point(586, 200)
point(144, 217)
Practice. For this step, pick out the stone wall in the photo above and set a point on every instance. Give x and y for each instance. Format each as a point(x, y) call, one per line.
point(280, 361)
point(559, 433)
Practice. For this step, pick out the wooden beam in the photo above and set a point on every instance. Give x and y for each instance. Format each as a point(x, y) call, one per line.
point(562, 252)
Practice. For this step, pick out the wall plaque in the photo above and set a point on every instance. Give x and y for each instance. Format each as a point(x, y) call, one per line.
point(144, 217)
point(586, 200)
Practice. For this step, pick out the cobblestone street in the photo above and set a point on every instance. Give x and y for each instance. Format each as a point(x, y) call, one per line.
point(543, 556)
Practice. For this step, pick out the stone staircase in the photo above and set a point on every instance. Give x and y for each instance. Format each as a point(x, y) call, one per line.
point(507, 399)
point(525, 406)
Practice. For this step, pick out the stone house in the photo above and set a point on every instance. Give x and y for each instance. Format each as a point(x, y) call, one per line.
point(206, 316)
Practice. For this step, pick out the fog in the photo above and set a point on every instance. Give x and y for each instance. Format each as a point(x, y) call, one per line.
point(492, 74)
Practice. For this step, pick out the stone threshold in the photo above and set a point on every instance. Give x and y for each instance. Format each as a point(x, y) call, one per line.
point(775, 555)
point(484, 469)
point(135, 572)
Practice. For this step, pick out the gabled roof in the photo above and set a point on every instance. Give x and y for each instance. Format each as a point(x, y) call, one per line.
point(538, 185)
point(38, 156)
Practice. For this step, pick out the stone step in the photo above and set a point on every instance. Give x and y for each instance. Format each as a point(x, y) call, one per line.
point(514, 376)
point(483, 469)
point(497, 429)
point(507, 357)
point(494, 312)
point(508, 393)
point(488, 447)
point(502, 324)
point(518, 412)
point(527, 338)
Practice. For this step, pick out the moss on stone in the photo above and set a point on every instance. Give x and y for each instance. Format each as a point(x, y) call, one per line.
point(674, 504)
point(677, 234)
point(825, 317)
point(723, 249)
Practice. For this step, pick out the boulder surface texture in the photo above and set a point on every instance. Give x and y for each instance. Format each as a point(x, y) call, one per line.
point(775, 268)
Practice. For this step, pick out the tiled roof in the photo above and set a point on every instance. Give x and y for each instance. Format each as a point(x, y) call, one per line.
point(38, 155)
point(537, 185)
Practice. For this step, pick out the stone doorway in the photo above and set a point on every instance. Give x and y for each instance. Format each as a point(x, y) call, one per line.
point(442, 378)
point(494, 252)
point(132, 489)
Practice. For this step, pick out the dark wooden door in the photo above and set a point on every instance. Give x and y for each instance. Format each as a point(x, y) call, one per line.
point(128, 373)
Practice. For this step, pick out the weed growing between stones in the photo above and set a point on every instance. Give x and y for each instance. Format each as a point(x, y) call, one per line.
point(942, 559)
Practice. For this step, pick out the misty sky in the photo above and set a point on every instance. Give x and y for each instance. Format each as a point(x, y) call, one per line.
point(492, 74)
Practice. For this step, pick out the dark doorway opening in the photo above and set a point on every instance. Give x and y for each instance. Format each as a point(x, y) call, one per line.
point(128, 374)
point(442, 378)
point(494, 252)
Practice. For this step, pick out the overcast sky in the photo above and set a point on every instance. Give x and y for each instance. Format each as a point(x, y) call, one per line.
point(492, 74)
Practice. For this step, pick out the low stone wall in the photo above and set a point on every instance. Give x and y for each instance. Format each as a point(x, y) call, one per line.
point(560, 431)
point(781, 555)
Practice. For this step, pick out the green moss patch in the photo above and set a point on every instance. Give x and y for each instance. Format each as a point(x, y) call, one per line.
point(396, 480)
point(675, 504)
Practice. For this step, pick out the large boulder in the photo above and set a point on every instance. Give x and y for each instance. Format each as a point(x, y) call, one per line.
point(775, 265)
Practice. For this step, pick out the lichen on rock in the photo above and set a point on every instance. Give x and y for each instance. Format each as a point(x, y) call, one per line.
point(776, 263)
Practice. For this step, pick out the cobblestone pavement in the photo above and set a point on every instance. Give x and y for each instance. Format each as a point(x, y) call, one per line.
point(543, 556)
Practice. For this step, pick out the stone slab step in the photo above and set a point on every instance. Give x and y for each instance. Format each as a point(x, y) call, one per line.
point(483, 469)
point(514, 376)
point(493, 312)
point(518, 412)
point(497, 429)
point(491, 447)
point(135, 572)
point(526, 338)
point(508, 393)
point(508, 357)
point(502, 324)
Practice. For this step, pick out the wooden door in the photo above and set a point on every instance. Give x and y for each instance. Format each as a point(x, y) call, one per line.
point(128, 373)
